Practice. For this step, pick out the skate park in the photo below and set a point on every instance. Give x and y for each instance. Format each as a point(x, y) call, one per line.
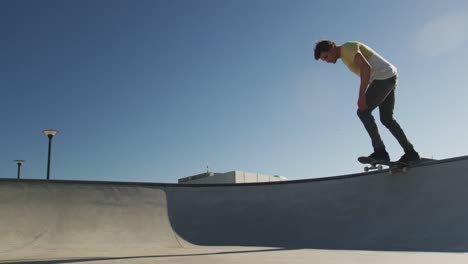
point(146, 92)
point(406, 217)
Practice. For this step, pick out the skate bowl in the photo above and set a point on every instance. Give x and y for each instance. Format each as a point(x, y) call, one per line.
point(422, 210)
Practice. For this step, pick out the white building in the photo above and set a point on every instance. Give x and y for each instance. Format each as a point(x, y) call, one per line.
point(229, 178)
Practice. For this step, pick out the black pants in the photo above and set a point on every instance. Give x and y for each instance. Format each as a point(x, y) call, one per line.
point(381, 93)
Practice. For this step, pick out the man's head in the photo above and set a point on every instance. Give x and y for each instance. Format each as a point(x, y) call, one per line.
point(327, 50)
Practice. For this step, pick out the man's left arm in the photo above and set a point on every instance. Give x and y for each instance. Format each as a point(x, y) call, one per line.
point(365, 72)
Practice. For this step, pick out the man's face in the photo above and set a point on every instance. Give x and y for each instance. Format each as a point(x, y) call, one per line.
point(329, 56)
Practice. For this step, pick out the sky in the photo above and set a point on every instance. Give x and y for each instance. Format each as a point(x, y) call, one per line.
point(153, 91)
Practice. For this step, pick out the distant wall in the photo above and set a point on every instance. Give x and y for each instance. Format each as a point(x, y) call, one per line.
point(215, 178)
point(248, 177)
point(230, 178)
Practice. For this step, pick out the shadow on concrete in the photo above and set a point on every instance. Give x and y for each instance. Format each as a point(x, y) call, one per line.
point(83, 260)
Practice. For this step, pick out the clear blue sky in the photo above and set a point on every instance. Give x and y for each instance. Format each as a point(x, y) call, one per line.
point(155, 90)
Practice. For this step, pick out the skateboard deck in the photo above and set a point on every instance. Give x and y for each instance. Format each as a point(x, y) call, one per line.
point(394, 166)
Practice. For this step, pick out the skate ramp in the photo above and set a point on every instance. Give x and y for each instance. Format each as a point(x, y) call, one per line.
point(60, 215)
point(421, 210)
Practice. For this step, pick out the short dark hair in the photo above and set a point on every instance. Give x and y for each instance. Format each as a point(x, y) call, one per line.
point(323, 46)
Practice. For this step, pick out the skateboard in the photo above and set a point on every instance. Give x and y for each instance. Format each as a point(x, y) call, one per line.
point(394, 166)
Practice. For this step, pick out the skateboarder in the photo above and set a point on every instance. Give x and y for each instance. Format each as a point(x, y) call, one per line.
point(378, 82)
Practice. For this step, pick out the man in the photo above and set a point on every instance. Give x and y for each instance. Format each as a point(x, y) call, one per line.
point(377, 89)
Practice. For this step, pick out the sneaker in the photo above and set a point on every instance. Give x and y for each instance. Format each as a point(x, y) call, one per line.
point(410, 157)
point(380, 155)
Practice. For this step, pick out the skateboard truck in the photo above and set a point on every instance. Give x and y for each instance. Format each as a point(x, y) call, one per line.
point(373, 167)
point(393, 166)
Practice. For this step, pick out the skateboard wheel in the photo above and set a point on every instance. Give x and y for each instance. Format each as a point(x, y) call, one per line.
point(405, 169)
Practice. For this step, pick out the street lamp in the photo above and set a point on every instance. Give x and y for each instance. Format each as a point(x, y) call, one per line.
point(50, 134)
point(19, 162)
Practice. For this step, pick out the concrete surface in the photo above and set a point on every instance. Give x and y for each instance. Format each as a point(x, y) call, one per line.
point(374, 217)
point(215, 255)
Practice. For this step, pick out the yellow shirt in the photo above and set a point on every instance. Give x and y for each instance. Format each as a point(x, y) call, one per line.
point(381, 69)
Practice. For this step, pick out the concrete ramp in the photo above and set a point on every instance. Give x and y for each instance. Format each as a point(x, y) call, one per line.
point(424, 209)
point(421, 210)
point(57, 215)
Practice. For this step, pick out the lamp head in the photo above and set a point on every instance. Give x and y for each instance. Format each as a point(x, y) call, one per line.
point(50, 132)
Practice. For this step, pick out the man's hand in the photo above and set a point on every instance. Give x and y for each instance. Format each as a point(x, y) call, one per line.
point(362, 104)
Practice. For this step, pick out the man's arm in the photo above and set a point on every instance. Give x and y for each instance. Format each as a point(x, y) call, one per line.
point(365, 70)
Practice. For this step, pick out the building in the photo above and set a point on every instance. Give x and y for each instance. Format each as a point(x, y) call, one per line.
point(229, 178)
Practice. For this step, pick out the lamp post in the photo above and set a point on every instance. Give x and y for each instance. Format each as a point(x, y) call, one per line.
point(19, 162)
point(50, 133)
